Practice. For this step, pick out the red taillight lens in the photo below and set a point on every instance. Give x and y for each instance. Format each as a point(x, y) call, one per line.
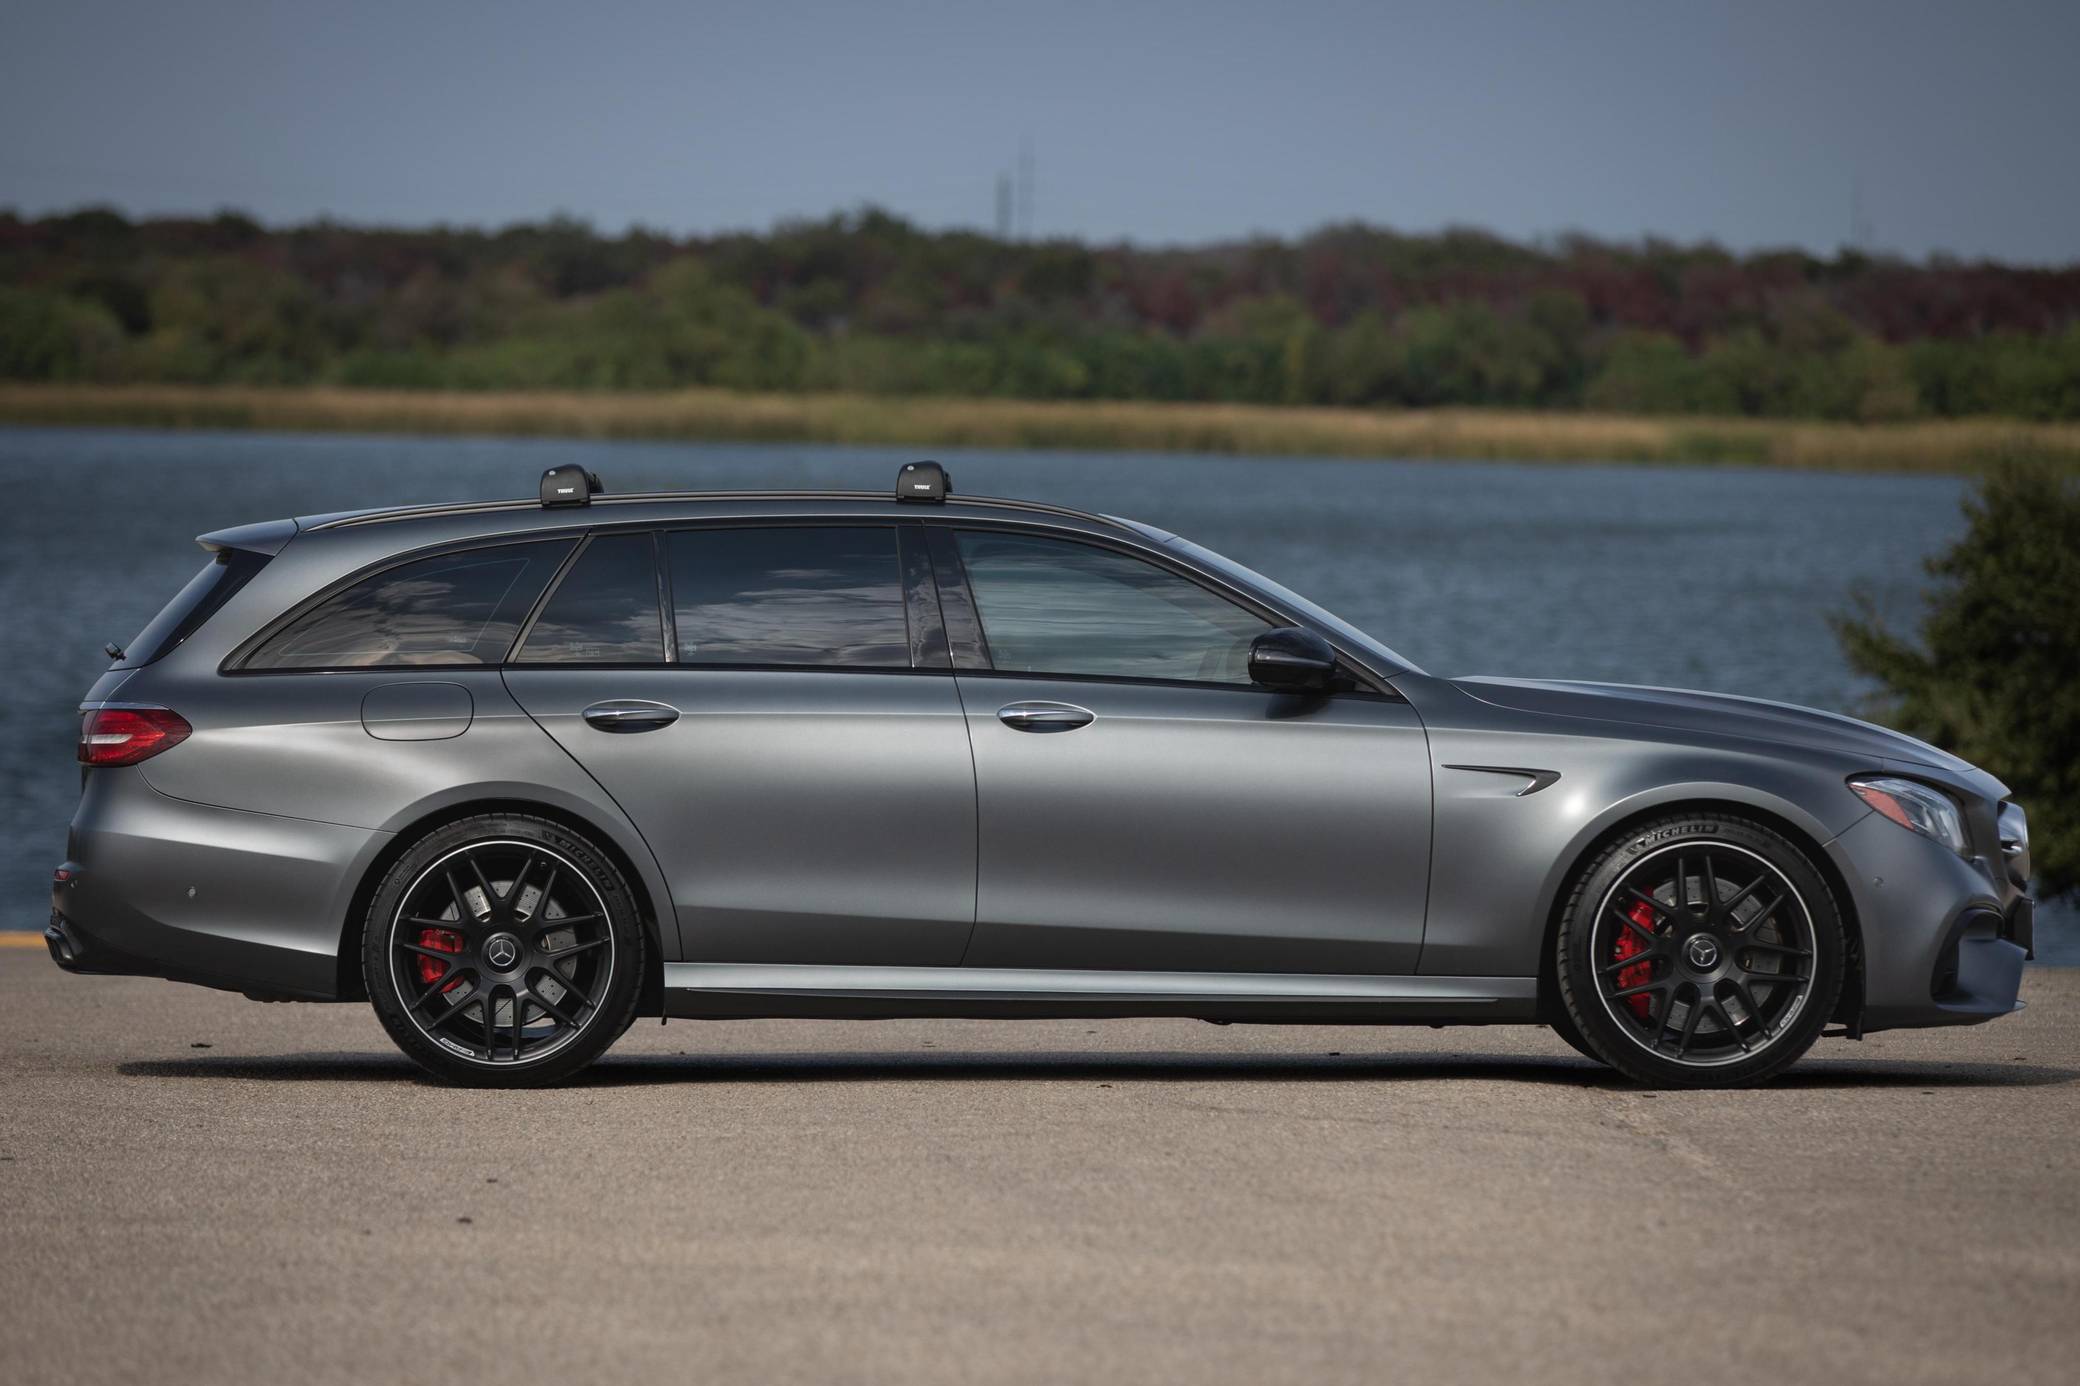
point(126, 735)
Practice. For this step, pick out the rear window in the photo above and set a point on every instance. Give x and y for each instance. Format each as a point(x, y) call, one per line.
point(462, 607)
point(205, 594)
point(821, 595)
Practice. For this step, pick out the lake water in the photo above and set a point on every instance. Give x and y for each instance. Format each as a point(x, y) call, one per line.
point(1713, 578)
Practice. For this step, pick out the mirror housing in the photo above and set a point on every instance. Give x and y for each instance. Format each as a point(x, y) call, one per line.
point(1292, 660)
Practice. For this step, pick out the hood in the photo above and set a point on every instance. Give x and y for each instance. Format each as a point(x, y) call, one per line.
point(1724, 714)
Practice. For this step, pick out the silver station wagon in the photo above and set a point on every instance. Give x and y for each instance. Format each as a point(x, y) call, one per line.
point(519, 772)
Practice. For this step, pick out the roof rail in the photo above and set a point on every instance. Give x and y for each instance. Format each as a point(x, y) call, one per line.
point(439, 509)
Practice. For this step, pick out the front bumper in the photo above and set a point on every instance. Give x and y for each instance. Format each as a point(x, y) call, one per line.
point(1943, 939)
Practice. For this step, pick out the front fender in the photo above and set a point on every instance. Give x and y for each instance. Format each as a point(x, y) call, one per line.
point(1504, 856)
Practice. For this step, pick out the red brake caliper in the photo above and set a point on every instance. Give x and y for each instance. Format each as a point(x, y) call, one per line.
point(430, 969)
point(1630, 946)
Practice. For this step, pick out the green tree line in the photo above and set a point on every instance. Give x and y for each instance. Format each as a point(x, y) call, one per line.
point(867, 302)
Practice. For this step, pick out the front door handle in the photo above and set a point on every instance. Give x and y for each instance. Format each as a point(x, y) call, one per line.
point(630, 715)
point(1045, 717)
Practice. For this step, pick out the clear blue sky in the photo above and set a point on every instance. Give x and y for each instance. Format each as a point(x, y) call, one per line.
point(1751, 123)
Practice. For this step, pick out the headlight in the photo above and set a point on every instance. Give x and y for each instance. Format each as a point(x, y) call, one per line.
point(1927, 811)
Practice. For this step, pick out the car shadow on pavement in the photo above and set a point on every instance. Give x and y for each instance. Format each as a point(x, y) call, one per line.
point(637, 1070)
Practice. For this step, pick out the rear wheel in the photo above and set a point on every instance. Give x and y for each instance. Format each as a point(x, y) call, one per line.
point(1700, 951)
point(503, 951)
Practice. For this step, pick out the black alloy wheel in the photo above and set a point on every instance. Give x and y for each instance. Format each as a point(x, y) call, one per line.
point(503, 951)
point(1701, 952)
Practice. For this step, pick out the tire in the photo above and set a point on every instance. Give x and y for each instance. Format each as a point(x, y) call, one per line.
point(1699, 951)
point(504, 951)
point(1564, 1026)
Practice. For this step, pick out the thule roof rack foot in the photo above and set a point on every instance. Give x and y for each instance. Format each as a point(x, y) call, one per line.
point(570, 484)
point(924, 483)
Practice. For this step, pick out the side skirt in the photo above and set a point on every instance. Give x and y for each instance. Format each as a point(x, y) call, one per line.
point(774, 990)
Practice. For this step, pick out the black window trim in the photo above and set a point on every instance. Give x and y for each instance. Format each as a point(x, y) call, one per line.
point(946, 562)
point(960, 628)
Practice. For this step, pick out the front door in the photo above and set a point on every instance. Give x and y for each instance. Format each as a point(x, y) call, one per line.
point(1144, 807)
point(805, 784)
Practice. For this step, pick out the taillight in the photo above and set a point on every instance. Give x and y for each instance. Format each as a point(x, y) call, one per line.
point(127, 735)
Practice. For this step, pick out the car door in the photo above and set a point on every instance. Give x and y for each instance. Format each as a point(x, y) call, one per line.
point(1142, 805)
point(772, 705)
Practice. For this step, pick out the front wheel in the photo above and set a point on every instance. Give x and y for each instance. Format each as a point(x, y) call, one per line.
point(1700, 951)
point(503, 951)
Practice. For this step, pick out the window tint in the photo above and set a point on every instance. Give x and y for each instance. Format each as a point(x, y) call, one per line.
point(1053, 607)
point(605, 611)
point(217, 583)
point(455, 608)
point(827, 595)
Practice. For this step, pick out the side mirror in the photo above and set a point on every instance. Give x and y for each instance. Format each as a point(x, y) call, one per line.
point(1292, 660)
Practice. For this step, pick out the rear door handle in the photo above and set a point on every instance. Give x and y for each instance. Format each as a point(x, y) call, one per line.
point(1045, 717)
point(630, 715)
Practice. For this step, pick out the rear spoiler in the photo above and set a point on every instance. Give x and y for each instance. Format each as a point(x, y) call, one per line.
point(268, 537)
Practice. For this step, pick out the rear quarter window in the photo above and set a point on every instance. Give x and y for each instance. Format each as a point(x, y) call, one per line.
point(456, 608)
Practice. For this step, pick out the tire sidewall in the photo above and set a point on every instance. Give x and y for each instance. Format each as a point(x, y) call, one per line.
point(1575, 963)
point(616, 1010)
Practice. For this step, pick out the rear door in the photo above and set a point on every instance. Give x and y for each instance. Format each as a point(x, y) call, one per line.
point(773, 706)
point(1143, 806)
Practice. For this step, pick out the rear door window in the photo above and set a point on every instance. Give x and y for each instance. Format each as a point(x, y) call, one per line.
point(461, 607)
point(824, 595)
point(605, 611)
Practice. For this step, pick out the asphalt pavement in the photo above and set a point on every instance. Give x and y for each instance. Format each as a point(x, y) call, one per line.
point(198, 1188)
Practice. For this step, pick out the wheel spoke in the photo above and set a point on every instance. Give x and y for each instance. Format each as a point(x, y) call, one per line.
point(1734, 900)
point(1638, 989)
point(463, 913)
point(441, 954)
point(557, 954)
point(573, 988)
point(1657, 1017)
point(1658, 906)
point(449, 1014)
point(1711, 888)
point(1682, 893)
point(541, 901)
point(491, 897)
point(1760, 915)
point(1747, 1000)
point(512, 898)
point(1636, 960)
point(1689, 1027)
point(1638, 928)
point(569, 1020)
point(1726, 1019)
point(1779, 948)
point(490, 1019)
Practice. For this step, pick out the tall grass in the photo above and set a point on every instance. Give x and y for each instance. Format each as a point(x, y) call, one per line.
point(1952, 446)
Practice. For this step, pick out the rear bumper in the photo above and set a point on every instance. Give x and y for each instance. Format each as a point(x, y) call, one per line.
point(160, 887)
point(1944, 939)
